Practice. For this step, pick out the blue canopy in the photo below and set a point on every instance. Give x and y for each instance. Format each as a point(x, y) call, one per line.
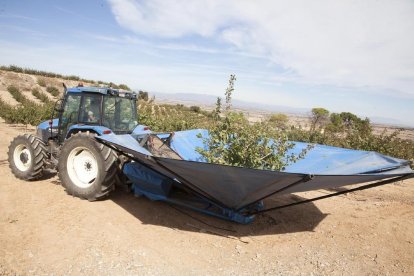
point(236, 188)
point(320, 159)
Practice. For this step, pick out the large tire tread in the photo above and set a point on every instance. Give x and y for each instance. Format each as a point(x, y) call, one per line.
point(39, 155)
point(110, 169)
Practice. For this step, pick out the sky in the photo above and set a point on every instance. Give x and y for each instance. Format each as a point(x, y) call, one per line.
point(345, 56)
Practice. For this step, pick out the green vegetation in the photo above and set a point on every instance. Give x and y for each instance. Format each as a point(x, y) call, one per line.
point(170, 117)
point(27, 112)
point(41, 82)
point(17, 95)
point(53, 91)
point(279, 120)
point(233, 141)
point(195, 109)
point(124, 87)
point(40, 95)
point(318, 118)
point(347, 130)
point(143, 96)
point(17, 69)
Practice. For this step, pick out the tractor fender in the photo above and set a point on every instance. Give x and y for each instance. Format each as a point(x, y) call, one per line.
point(100, 130)
point(43, 129)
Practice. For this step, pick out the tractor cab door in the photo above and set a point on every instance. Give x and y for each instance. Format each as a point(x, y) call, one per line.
point(80, 108)
point(91, 109)
point(69, 115)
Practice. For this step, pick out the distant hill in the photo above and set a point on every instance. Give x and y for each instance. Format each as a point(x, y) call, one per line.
point(389, 122)
point(205, 100)
point(210, 100)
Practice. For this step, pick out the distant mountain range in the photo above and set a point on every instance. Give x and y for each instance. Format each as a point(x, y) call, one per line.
point(205, 100)
point(389, 121)
point(210, 100)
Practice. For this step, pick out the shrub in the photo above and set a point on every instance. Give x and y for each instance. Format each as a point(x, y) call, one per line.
point(180, 107)
point(142, 95)
point(113, 85)
point(233, 141)
point(195, 109)
point(73, 77)
point(16, 69)
point(53, 91)
point(41, 82)
point(17, 95)
point(41, 96)
point(169, 118)
point(124, 87)
point(279, 120)
point(347, 130)
point(29, 113)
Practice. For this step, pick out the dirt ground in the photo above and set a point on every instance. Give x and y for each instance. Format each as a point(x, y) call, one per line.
point(45, 231)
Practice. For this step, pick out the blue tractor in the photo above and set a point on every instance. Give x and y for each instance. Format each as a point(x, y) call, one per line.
point(86, 168)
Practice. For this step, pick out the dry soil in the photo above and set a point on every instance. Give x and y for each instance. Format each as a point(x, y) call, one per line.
point(45, 231)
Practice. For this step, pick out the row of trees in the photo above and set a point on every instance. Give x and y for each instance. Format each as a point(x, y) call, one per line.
point(27, 112)
point(41, 82)
point(347, 130)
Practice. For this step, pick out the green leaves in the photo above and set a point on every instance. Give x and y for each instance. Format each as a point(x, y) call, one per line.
point(28, 112)
point(234, 141)
point(279, 120)
point(171, 117)
point(346, 130)
point(319, 118)
point(41, 82)
point(52, 90)
point(40, 95)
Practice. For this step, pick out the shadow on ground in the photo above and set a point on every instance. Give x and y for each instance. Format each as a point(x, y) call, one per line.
point(300, 218)
point(48, 174)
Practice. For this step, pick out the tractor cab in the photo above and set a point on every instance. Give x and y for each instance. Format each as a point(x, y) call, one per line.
point(100, 110)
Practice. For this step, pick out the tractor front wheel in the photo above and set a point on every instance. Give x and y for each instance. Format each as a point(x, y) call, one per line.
point(27, 155)
point(87, 169)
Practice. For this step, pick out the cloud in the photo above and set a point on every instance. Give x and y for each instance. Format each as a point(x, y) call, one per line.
point(170, 18)
point(341, 43)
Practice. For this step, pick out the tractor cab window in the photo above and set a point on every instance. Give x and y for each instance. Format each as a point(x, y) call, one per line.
point(119, 114)
point(70, 113)
point(91, 109)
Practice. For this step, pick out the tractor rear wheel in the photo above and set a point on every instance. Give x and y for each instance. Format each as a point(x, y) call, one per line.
point(27, 155)
point(87, 169)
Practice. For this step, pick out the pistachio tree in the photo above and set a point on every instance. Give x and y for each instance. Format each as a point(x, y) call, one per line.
point(232, 140)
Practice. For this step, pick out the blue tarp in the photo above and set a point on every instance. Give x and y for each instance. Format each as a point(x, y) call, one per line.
point(320, 159)
point(236, 188)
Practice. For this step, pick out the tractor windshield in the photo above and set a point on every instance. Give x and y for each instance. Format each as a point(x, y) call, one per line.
point(119, 114)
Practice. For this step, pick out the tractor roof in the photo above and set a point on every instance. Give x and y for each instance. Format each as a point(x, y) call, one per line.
point(103, 90)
